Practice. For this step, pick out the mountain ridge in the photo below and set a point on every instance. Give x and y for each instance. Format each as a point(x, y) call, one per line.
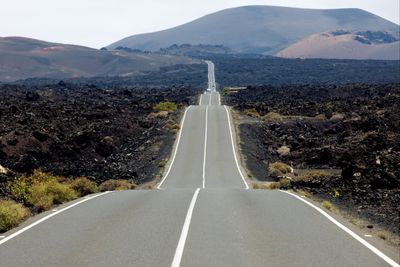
point(257, 29)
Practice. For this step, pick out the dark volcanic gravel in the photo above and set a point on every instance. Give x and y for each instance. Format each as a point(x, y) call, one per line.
point(352, 128)
point(75, 130)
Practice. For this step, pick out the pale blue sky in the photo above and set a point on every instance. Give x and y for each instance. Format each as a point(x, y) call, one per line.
point(97, 23)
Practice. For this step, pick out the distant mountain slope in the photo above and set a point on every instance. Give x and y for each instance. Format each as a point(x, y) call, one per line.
point(22, 58)
point(258, 29)
point(346, 45)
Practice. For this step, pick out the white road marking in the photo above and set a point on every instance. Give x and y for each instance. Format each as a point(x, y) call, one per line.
point(185, 230)
point(48, 217)
point(347, 230)
point(2, 236)
point(209, 101)
point(176, 149)
point(233, 148)
point(205, 149)
point(219, 99)
point(201, 97)
point(368, 235)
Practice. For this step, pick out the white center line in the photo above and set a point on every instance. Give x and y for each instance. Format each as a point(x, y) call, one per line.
point(205, 149)
point(185, 230)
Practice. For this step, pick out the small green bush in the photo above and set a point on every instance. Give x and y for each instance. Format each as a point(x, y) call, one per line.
point(11, 214)
point(111, 185)
point(19, 188)
point(165, 106)
point(83, 186)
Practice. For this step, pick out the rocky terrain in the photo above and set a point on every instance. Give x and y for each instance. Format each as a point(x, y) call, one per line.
point(84, 130)
point(233, 71)
point(350, 133)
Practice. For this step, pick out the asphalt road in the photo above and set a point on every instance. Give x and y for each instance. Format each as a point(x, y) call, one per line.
point(202, 214)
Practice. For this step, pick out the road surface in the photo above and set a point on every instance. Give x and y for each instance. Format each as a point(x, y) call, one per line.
point(201, 214)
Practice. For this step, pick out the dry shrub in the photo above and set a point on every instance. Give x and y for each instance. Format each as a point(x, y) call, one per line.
point(283, 151)
point(320, 117)
point(337, 116)
point(111, 185)
point(83, 186)
point(166, 106)
point(273, 116)
point(11, 214)
point(268, 186)
point(279, 167)
point(45, 194)
point(252, 112)
point(41, 190)
point(312, 175)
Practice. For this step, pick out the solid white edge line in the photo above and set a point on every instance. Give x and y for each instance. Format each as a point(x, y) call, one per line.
point(233, 148)
point(348, 231)
point(205, 149)
point(185, 230)
point(176, 148)
point(17, 233)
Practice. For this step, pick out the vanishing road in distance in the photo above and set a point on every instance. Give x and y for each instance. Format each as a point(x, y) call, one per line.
point(201, 214)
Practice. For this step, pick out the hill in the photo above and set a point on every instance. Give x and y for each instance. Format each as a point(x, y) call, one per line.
point(258, 29)
point(22, 58)
point(346, 45)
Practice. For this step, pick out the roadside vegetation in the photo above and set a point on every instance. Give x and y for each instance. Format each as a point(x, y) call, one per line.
point(40, 191)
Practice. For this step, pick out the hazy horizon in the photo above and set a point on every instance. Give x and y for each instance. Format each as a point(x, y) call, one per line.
point(88, 23)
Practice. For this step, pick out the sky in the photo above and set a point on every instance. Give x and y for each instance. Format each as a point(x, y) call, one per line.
point(97, 23)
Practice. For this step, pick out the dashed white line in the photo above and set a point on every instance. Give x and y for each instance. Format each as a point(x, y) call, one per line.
point(176, 149)
point(201, 97)
point(185, 230)
point(348, 231)
point(17, 233)
point(233, 148)
point(205, 149)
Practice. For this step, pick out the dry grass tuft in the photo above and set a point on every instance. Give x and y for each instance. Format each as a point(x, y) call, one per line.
point(329, 206)
point(382, 235)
